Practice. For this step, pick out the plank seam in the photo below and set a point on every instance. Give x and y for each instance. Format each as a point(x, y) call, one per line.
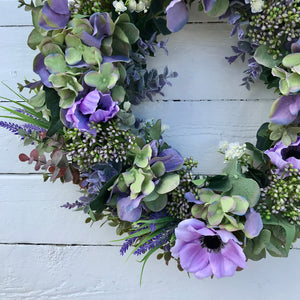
point(59, 244)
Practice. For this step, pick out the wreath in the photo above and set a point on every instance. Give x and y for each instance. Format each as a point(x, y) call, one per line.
point(92, 66)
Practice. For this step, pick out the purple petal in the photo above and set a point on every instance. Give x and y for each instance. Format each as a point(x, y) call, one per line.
point(205, 272)
point(101, 115)
point(90, 40)
point(129, 210)
point(49, 19)
point(154, 148)
point(190, 197)
point(40, 69)
point(101, 24)
point(115, 58)
point(221, 266)
point(285, 110)
point(193, 257)
point(59, 6)
point(208, 5)
point(177, 15)
point(253, 224)
point(171, 159)
point(227, 236)
point(232, 251)
point(187, 229)
point(89, 103)
point(296, 47)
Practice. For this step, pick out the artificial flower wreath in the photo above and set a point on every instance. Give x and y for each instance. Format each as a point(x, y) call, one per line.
point(92, 66)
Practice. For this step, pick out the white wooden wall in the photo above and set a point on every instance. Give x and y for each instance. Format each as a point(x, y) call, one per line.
point(47, 252)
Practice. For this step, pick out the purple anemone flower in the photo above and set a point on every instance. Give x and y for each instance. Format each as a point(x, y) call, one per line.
point(177, 15)
point(282, 156)
point(55, 14)
point(205, 251)
point(94, 107)
point(285, 110)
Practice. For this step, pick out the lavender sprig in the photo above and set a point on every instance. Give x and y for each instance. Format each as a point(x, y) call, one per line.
point(15, 128)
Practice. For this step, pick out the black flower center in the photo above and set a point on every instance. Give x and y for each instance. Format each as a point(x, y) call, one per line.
point(211, 242)
point(292, 151)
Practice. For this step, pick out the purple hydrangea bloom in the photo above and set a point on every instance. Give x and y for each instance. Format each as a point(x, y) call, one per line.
point(102, 25)
point(55, 14)
point(285, 110)
point(94, 107)
point(253, 224)
point(205, 251)
point(177, 15)
point(129, 209)
point(40, 69)
point(282, 156)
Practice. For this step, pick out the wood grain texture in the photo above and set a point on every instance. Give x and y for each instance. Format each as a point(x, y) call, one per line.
point(51, 272)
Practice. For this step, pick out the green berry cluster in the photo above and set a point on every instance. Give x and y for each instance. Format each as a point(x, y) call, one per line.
point(282, 196)
point(279, 21)
point(88, 7)
point(178, 207)
point(108, 143)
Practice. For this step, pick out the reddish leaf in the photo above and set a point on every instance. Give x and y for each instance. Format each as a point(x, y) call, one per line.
point(34, 154)
point(23, 157)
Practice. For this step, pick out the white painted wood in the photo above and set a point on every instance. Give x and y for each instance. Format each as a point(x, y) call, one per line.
point(11, 15)
point(49, 272)
point(30, 210)
point(208, 123)
point(31, 213)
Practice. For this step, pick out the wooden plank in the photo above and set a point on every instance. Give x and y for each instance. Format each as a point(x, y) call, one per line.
point(12, 15)
point(49, 272)
point(16, 58)
point(31, 212)
point(196, 53)
point(195, 129)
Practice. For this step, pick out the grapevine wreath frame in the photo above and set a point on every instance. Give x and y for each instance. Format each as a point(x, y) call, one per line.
point(92, 66)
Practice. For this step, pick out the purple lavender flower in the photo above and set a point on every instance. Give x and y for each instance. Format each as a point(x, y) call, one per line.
point(14, 128)
point(177, 15)
point(55, 14)
point(205, 251)
point(94, 107)
point(285, 110)
point(282, 156)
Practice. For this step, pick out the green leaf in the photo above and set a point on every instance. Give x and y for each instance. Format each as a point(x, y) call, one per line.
point(291, 60)
point(247, 188)
point(158, 204)
point(262, 56)
point(158, 169)
point(290, 230)
point(99, 203)
point(52, 101)
point(199, 181)
point(227, 203)
point(219, 8)
point(155, 131)
point(168, 183)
